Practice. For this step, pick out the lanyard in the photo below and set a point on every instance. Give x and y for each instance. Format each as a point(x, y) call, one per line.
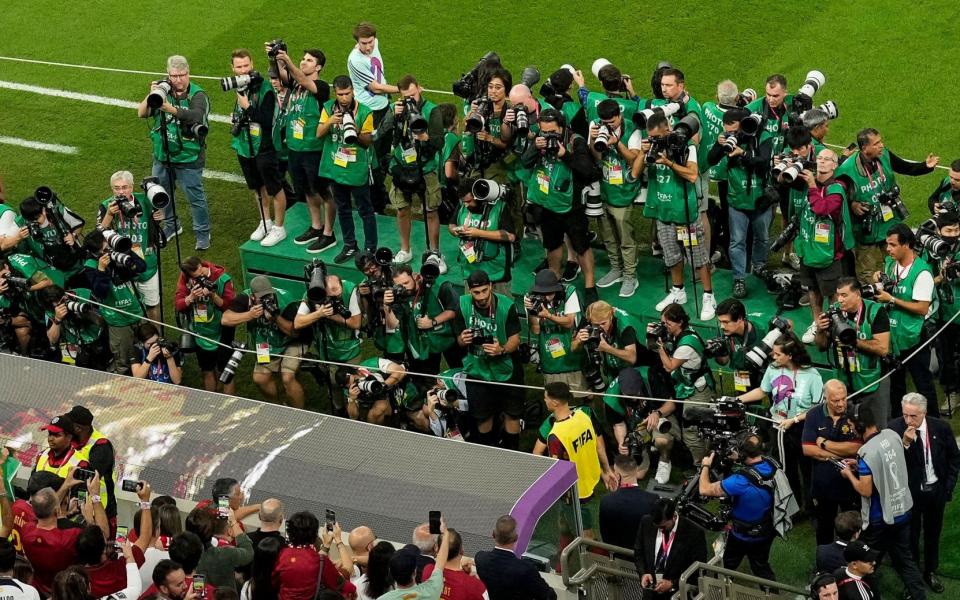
point(666, 543)
point(926, 447)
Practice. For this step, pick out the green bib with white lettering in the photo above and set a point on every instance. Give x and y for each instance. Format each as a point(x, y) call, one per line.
point(346, 164)
point(617, 185)
point(123, 297)
point(550, 183)
point(182, 149)
point(203, 317)
point(905, 327)
point(670, 199)
point(493, 256)
point(247, 143)
point(711, 127)
point(865, 189)
point(140, 233)
point(477, 364)
point(335, 342)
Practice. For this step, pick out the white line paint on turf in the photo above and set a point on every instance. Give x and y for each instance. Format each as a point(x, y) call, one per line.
point(59, 149)
point(133, 71)
point(223, 176)
point(45, 91)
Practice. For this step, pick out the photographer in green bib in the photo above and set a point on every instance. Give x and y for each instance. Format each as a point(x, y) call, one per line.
point(947, 280)
point(375, 389)
point(307, 94)
point(817, 122)
point(906, 287)
point(15, 301)
point(133, 215)
point(110, 274)
point(177, 110)
point(75, 328)
point(54, 234)
point(417, 141)
point(204, 291)
point(874, 196)
point(488, 327)
point(737, 335)
point(485, 233)
point(857, 333)
point(269, 314)
point(774, 109)
point(555, 93)
point(485, 140)
point(800, 155)
point(383, 311)
point(346, 126)
point(553, 311)
point(335, 321)
point(747, 158)
point(13, 228)
point(608, 339)
point(251, 127)
point(616, 85)
point(559, 167)
point(614, 149)
point(946, 198)
point(683, 355)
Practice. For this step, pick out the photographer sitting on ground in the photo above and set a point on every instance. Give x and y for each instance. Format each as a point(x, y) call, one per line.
point(375, 389)
point(485, 234)
point(75, 328)
point(204, 291)
point(552, 313)
point(159, 359)
point(109, 275)
point(54, 234)
point(613, 334)
point(753, 530)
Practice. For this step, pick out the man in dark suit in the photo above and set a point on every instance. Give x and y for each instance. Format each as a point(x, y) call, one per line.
point(667, 544)
point(506, 575)
point(621, 511)
point(830, 556)
point(933, 461)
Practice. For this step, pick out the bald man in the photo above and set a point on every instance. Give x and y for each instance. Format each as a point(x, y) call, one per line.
point(361, 541)
point(271, 521)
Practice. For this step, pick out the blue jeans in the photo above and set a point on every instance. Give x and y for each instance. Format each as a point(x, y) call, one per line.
point(191, 181)
point(361, 194)
point(759, 223)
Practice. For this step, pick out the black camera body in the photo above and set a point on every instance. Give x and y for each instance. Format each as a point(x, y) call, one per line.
point(840, 329)
point(891, 198)
point(270, 304)
point(477, 120)
point(716, 347)
point(129, 207)
point(538, 302)
point(17, 285)
point(871, 290)
point(553, 141)
point(468, 86)
point(657, 332)
point(593, 366)
point(205, 283)
point(275, 46)
point(788, 234)
point(165, 344)
point(480, 338)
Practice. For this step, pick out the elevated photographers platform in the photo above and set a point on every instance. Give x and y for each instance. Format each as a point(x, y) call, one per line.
point(284, 264)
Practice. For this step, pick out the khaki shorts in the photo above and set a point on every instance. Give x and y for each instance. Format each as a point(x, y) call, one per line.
point(288, 363)
point(149, 290)
point(400, 199)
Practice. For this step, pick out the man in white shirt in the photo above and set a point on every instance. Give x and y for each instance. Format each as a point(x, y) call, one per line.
point(10, 587)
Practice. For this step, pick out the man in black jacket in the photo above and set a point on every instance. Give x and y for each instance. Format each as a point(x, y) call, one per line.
point(667, 544)
point(933, 461)
point(621, 511)
point(830, 556)
point(507, 576)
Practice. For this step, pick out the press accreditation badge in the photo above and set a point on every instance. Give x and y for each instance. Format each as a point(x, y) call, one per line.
point(543, 182)
point(68, 353)
point(298, 129)
point(687, 236)
point(255, 129)
point(263, 353)
point(555, 348)
point(410, 155)
point(614, 174)
point(821, 234)
point(886, 212)
point(345, 156)
point(741, 381)
point(468, 252)
point(200, 314)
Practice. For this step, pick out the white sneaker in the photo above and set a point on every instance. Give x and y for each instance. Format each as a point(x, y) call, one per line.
point(402, 257)
point(709, 310)
point(276, 235)
point(261, 231)
point(443, 265)
point(663, 472)
point(810, 335)
point(676, 295)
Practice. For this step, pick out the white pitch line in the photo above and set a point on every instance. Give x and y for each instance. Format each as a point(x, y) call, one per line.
point(223, 176)
point(45, 91)
point(59, 149)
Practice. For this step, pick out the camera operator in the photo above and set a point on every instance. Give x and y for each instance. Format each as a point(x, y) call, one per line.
point(947, 194)
point(487, 149)
point(947, 281)
point(177, 130)
point(15, 327)
point(773, 107)
point(753, 529)
point(859, 361)
point(75, 328)
point(824, 237)
point(817, 122)
point(747, 164)
point(13, 228)
point(908, 305)
point(555, 93)
point(800, 149)
point(379, 301)
point(615, 84)
point(204, 291)
point(712, 121)
point(429, 314)
point(109, 276)
point(375, 389)
point(133, 215)
point(879, 475)
point(686, 362)
point(54, 234)
point(874, 196)
point(617, 340)
point(159, 359)
point(445, 413)
point(792, 386)
point(346, 126)
point(269, 314)
point(413, 164)
point(829, 436)
point(619, 187)
point(552, 314)
point(307, 95)
point(638, 423)
point(672, 202)
point(488, 327)
point(486, 238)
point(336, 335)
point(253, 141)
point(560, 167)
point(739, 334)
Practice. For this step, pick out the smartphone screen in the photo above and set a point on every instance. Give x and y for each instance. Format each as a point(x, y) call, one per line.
point(82, 496)
point(223, 507)
point(122, 534)
point(331, 519)
point(434, 522)
point(200, 585)
point(83, 474)
point(130, 485)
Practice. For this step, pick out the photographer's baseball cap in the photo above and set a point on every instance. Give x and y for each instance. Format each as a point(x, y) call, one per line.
point(546, 282)
point(631, 383)
point(477, 279)
point(59, 424)
point(81, 415)
point(857, 550)
point(260, 286)
point(561, 79)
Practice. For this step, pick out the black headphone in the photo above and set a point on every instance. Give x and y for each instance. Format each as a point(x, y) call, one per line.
point(820, 580)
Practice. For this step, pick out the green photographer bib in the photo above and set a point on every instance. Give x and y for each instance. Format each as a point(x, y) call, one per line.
point(477, 364)
point(628, 106)
point(182, 149)
point(247, 144)
point(303, 118)
point(346, 164)
point(333, 341)
point(865, 188)
point(123, 297)
point(76, 331)
point(263, 331)
point(905, 327)
point(490, 256)
point(744, 190)
point(451, 139)
point(139, 231)
point(855, 368)
point(407, 157)
point(816, 240)
point(670, 199)
point(203, 317)
point(711, 126)
point(774, 128)
point(550, 184)
point(555, 342)
point(685, 379)
point(617, 185)
point(440, 338)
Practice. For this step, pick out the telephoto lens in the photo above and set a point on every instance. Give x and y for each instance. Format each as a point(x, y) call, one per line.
point(592, 200)
point(158, 95)
point(78, 308)
point(810, 87)
point(521, 123)
point(349, 129)
point(240, 82)
point(489, 191)
point(155, 192)
point(129, 208)
point(116, 241)
point(729, 143)
point(121, 259)
point(601, 142)
point(230, 369)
